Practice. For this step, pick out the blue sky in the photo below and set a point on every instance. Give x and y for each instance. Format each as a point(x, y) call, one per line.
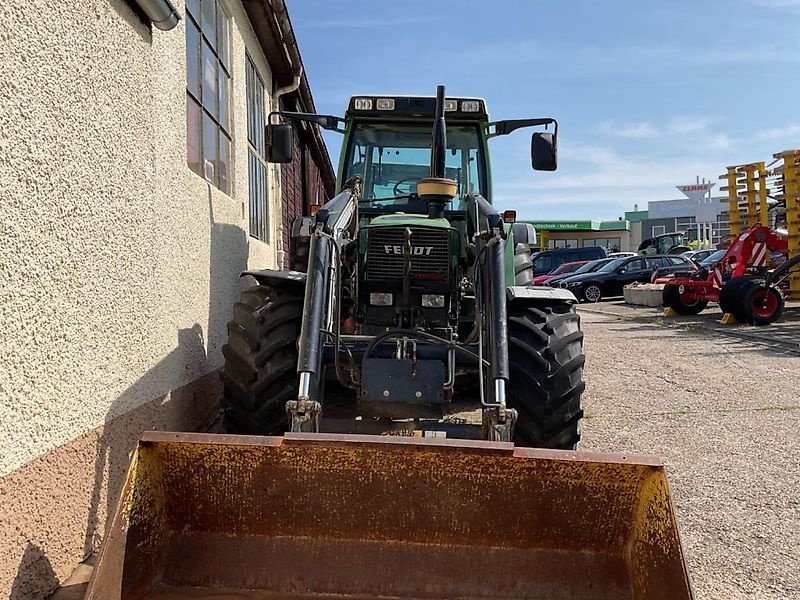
point(648, 93)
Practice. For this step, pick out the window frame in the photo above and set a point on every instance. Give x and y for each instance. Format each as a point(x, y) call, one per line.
point(215, 115)
point(258, 195)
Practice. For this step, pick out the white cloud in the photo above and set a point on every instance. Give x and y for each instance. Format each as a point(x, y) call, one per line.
point(781, 133)
point(685, 125)
point(719, 141)
point(629, 130)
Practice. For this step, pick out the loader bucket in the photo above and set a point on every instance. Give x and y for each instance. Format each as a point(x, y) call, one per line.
point(333, 516)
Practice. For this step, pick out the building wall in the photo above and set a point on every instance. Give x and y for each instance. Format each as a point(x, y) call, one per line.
point(667, 223)
point(682, 207)
point(302, 186)
point(119, 266)
point(581, 237)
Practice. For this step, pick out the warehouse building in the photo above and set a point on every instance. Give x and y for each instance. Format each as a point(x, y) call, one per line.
point(665, 216)
point(136, 189)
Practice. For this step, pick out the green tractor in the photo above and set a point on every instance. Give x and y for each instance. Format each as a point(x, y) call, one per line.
point(409, 301)
point(666, 243)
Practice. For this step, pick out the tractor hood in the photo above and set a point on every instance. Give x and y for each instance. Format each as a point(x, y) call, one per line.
point(408, 219)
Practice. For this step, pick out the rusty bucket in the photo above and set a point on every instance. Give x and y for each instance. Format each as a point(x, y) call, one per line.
point(231, 517)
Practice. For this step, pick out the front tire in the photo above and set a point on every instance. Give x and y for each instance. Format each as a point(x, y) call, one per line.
point(592, 293)
point(260, 372)
point(682, 304)
point(546, 367)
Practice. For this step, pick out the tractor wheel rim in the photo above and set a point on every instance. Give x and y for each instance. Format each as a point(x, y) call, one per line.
point(764, 303)
point(592, 293)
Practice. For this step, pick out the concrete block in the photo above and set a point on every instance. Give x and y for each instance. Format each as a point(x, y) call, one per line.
point(643, 294)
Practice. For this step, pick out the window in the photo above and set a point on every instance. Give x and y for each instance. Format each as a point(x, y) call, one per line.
point(208, 130)
point(677, 260)
point(543, 263)
point(610, 244)
point(563, 243)
point(637, 264)
point(393, 158)
point(658, 230)
point(654, 262)
point(256, 154)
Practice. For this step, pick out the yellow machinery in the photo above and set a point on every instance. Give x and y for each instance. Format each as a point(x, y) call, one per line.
point(328, 516)
point(747, 185)
point(789, 180)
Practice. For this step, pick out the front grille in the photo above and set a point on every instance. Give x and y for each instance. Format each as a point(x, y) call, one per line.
point(430, 257)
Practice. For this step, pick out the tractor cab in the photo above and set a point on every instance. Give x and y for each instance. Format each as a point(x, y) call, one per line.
point(666, 243)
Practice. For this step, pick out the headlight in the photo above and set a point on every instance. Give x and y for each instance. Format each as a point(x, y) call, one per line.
point(432, 301)
point(384, 103)
point(470, 106)
point(451, 104)
point(573, 284)
point(380, 299)
point(363, 104)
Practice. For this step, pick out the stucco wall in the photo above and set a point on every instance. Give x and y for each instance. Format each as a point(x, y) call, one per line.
point(119, 266)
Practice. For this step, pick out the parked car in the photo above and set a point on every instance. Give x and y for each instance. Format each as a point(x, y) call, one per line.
point(546, 261)
point(609, 280)
point(564, 269)
point(712, 259)
point(698, 256)
point(589, 267)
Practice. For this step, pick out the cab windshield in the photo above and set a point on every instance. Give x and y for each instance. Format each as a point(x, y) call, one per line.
point(392, 158)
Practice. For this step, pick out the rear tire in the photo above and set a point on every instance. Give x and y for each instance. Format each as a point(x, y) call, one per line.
point(546, 367)
point(677, 302)
point(729, 299)
point(260, 372)
point(760, 305)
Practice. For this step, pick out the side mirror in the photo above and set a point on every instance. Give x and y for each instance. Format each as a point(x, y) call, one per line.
point(621, 270)
point(543, 152)
point(280, 140)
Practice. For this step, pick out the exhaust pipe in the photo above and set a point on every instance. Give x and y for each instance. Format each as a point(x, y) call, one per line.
point(437, 190)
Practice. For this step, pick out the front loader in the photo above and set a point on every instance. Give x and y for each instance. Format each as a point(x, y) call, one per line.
point(410, 406)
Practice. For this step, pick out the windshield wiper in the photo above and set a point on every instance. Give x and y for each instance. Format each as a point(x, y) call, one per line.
point(403, 197)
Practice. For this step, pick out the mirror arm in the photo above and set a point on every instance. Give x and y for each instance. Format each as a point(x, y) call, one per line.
point(506, 127)
point(325, 121)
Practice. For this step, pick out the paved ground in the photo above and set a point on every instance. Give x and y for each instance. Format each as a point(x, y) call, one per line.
point(724, 413)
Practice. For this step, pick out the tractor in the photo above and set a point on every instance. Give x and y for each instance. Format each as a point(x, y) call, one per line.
point(666, 243)
point(409, 299)
point(408, 303)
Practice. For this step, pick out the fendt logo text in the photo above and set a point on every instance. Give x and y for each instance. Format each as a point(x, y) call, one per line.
point(415, 250)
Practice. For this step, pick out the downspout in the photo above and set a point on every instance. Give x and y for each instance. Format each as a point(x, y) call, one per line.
point(160, 12)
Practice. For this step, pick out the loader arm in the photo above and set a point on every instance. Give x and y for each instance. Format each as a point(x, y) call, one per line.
point(322, 301)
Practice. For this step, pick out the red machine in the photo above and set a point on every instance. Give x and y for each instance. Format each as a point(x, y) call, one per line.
point(736, 281)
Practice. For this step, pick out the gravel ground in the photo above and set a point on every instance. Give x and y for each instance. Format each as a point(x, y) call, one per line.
point(724, 414)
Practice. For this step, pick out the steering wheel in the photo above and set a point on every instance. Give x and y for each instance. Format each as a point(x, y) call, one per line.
point(396, 190)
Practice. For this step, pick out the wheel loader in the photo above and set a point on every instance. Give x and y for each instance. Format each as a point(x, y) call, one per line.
point(402, 407)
